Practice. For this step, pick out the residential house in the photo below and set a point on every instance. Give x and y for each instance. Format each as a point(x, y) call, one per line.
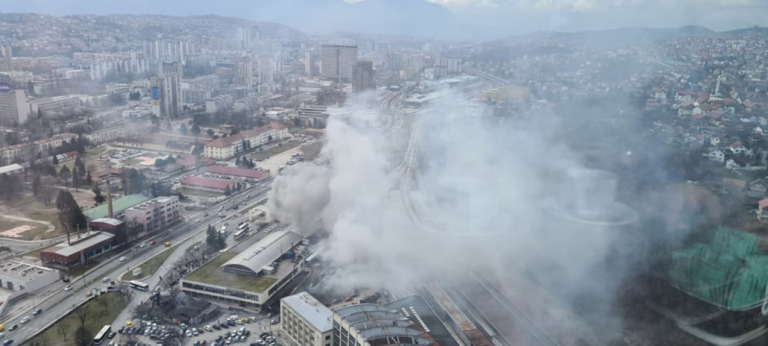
point(734, 186)
point(762, 212)
point(757, 188)
point(716, 155)
point(737, 148)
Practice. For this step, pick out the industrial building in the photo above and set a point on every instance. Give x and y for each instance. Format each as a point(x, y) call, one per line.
point(207, 184)
point(54, 104)
point(373, 324)
point(155, 215)
point(19, 276)
point(77, 251)
point(305, 320)
point(250, 278)
point(337, 62)
point(26, 150)
point(119, 205)
point(13, 106)
point(250, 175)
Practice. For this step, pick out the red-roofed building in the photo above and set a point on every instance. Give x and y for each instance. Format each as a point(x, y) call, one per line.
point(207, 184)
point(228, 147)
point(188, 161)
point(248, 174)
point(99, 176)
point(734, 185)
point(762, 213)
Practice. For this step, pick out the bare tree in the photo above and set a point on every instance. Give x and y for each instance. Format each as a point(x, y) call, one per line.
point(81, 312)
point(62, 329)
point(104, 301)
point(47, 190)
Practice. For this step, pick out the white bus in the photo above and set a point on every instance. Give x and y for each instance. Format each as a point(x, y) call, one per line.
point(243, 226)
point(102, 334)
point(241, 234)
point(139, 285)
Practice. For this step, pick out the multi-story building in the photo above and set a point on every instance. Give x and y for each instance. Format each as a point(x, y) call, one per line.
point(305, 320)
point(54, 104)
point(309, 64)
point(13, 106)
point(113, 133)
point(228, 147)
point(266, 72)
point(7, 62)
point(243, 70)
point(25, 151)
point(219, 103)
point(154, 215)
point(197, 97)
point(210, 82)
point(362, 77)
point(337, 62)
point(170, 93)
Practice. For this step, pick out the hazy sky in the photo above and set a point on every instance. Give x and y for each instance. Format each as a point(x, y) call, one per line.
point(481, 18)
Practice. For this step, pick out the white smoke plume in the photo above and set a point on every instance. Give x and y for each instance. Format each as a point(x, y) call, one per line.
point(476, 185)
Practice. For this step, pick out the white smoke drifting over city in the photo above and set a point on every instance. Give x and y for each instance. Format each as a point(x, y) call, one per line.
point(478, 202)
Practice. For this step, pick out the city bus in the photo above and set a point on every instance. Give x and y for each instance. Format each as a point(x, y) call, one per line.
point(102, 334)
point(243, 226)
point(241, 234)
point(139, 285)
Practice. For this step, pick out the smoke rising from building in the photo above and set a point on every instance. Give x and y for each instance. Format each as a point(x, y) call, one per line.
point(472, 196)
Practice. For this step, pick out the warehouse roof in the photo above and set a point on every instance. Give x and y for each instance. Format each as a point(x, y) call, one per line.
point(238, 172)
point(68, 250)
point(209, 183)
point(118, 205)
point(263, 253)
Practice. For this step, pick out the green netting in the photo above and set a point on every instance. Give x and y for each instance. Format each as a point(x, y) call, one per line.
point(725, 273)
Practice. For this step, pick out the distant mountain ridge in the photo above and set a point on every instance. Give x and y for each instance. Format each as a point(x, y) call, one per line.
point(409, 17)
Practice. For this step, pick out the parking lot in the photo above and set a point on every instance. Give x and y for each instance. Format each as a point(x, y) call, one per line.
point(225, 330)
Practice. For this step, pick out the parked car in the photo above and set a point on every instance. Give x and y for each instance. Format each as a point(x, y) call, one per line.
point(68, 288)
point(7, 342)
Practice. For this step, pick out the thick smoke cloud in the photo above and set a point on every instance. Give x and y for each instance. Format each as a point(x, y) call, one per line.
point(472, 196)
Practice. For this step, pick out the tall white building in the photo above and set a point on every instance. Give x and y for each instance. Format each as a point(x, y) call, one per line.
point(309, 64)
point(244, 37)
point(244, 73)
point(338, 62)
point(13, 106)
point(266, 71)
point(171, 99)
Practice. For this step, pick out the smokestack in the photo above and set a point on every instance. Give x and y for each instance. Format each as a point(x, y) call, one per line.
point(69, 241)
point(109, 200)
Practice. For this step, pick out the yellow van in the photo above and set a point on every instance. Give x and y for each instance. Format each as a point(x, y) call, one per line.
point(88, 294)
point(167, 244)
point(128, 324)
point(2, 327)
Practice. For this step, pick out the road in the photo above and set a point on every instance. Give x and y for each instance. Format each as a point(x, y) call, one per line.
point(61, 302)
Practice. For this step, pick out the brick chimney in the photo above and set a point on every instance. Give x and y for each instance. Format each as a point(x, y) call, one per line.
point(109, 200)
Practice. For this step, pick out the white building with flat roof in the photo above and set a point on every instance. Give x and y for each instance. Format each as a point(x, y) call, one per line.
point(13, 106)
point(337, 61)
point(305, 320)
point(19, 276)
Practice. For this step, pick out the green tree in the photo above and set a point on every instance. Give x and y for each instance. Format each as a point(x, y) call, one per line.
point(227, 191)
point(98, 198)
point(211, 238)
point(75, 179)
point(80, 165)
point(55, 160)
point(116, 99)
point(210, 132)
point(83, 337)
point(36, 185)
point(64, 174)
point(221, 240)
point(88, 179)
point(195, 130)
point(70, 214)
point(183, 129)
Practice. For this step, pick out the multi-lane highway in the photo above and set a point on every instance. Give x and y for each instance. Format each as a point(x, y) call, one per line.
point(61, 302)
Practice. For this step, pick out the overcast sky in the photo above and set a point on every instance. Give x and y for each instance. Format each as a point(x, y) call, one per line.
point(567, 15)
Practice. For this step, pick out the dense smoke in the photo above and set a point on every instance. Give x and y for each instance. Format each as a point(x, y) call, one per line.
point(471, 197)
